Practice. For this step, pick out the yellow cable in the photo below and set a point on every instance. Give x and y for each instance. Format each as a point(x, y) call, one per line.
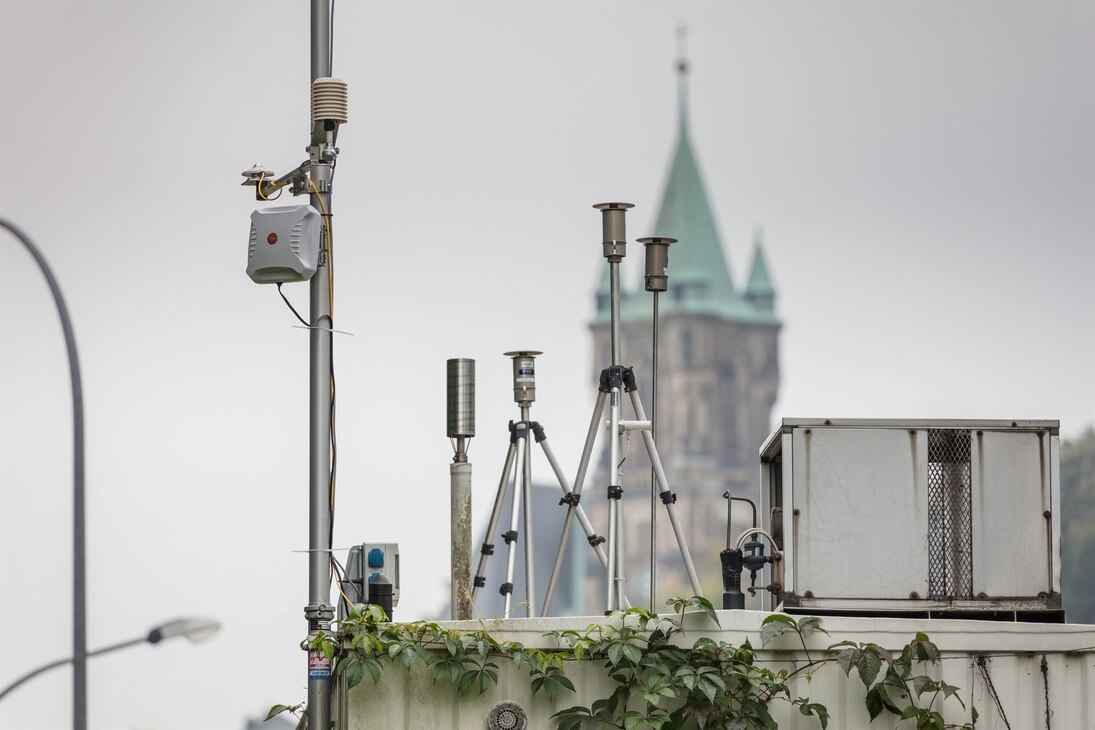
point(339, 584)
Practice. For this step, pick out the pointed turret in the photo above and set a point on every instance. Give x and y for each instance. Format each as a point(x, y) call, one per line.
point(759, 291)
point(699, 274)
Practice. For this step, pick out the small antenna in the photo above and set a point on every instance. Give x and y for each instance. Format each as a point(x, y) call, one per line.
point(682, 48)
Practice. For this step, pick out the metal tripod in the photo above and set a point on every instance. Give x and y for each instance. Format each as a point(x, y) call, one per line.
point(518, 458)
point(614, 381)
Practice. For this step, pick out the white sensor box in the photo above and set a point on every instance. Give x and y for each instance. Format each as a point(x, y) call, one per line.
point(284, 244)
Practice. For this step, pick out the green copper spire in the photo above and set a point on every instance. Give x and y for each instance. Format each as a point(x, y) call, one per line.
point(699, 273)
point(699, 276)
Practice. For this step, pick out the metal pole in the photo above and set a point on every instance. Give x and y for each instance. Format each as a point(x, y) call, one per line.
point(653, 476)
point(526, 483)
point(319, 612)
point(657, 280)
point(614, 245)
point(79, 570)
point(460, 560)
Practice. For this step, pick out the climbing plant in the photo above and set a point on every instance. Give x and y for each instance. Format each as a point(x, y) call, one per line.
point(658, 682)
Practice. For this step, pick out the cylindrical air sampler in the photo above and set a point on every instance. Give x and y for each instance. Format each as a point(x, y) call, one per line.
point(524, 376)
point(461, 427)
point(657, 262)
point(461, 397)
point(613, 228)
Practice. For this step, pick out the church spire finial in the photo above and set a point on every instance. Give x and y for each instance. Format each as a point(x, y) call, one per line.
point(682, 76)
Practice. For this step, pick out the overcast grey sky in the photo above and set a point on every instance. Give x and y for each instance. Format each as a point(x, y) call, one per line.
point(924, 173)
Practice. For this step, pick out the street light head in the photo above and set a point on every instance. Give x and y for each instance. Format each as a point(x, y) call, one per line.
point(195, 629)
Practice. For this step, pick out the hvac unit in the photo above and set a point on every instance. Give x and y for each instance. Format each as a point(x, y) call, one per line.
point(915, 518)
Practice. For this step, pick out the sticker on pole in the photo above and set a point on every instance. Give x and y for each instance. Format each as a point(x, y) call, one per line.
point(319, 666)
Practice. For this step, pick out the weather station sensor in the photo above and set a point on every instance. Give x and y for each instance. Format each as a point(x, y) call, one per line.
point(284, 244)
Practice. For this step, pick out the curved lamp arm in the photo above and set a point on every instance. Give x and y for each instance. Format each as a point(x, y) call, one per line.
point(79, 594)
point(195, 629)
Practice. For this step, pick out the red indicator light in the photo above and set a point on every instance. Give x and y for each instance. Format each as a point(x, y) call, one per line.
point(272, 239)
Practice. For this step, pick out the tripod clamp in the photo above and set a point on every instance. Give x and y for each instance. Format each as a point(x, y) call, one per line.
point(617, 376)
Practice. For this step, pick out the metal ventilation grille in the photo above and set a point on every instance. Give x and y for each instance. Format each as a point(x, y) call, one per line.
point(950, 521)
point(296, 236)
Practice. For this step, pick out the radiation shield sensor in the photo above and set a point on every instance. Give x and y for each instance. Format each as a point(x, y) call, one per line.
point(284, 244)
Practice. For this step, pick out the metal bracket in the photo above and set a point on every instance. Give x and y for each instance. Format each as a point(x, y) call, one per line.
point(570, 498)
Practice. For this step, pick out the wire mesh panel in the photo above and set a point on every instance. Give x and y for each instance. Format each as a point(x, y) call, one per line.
point(950, 521)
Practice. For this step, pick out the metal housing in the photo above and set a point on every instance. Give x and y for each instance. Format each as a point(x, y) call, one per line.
point(915, 517)
point(284, 244)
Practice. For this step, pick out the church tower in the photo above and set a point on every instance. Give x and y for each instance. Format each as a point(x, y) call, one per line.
point(718, 365)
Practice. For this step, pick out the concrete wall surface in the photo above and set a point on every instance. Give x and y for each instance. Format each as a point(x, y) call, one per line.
point(1032, 676)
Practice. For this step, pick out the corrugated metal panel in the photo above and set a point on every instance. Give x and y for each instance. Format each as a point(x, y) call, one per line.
point(1018, 676)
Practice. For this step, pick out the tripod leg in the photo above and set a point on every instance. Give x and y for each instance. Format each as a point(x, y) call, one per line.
point(583, 465)
point(496, 513)
point(615, 493)
point(668, 498)
point(511, 536)
point(530, 585)
point(574, 508)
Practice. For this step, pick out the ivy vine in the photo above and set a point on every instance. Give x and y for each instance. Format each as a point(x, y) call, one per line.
point(658, 682)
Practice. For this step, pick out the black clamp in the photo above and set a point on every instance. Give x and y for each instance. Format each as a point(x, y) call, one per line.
point(629, 379)
point(595, 540)
point(510, 536)
point(668, 498)
point(488, 548)
point(518, 429)
point(537, 431)
point(571, 498)
point(479, 581)
point(615, 492)
point(611, 377)
point(506, 589)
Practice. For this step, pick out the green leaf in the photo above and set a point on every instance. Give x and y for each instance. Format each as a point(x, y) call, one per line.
point(353, 671)
point(922, 684)
point(810, 625)
point(869, 663)
point(847, 659)
point(374, 668)
point(278, 709)
point(875, 705)
point(774, 626)
point(702, 604)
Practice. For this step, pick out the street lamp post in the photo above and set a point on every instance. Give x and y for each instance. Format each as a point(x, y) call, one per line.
point(79, 570)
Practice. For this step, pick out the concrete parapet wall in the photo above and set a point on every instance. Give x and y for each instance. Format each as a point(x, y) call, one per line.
point(1031, 675)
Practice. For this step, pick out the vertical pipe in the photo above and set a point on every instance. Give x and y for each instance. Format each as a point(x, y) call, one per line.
point(321, 39)
point(614, 283)
point(613, 503)
point(460, 560)
point(530, 583)
point(319, 612)
point(653, 477)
